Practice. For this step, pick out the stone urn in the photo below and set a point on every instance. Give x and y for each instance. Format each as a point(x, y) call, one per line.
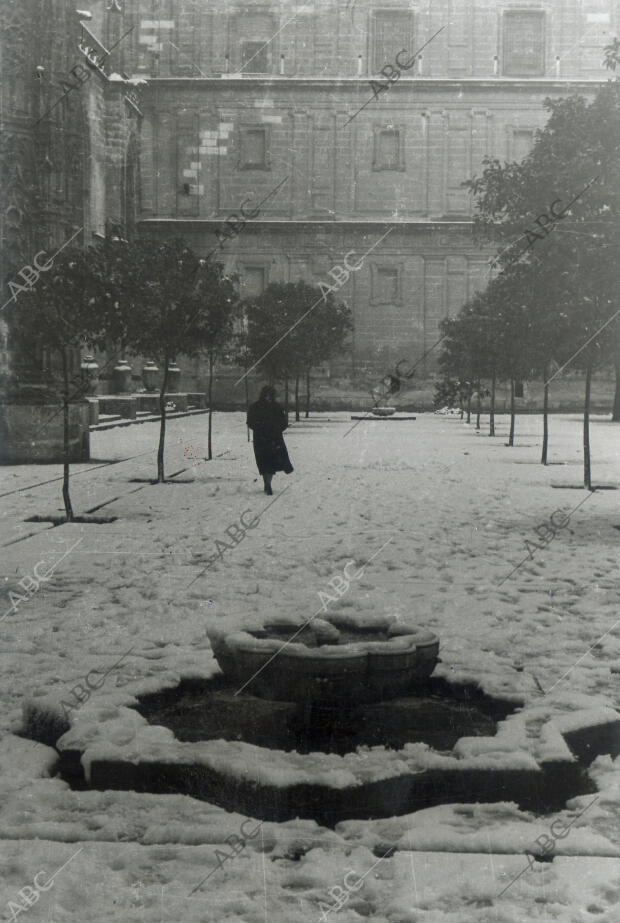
point(89, 368)
point(383, 411)
point(121, 377)
point(150, 375)
point(174, 377)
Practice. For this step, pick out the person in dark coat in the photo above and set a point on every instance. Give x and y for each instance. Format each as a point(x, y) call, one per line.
point(268, 421)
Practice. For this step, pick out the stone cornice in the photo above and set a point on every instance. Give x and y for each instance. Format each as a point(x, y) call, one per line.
point(317, 222)
point(541, 85)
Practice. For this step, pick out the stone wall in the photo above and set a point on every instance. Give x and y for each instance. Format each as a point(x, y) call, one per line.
point(63, 161)
point(339, 38)
point(247, 96)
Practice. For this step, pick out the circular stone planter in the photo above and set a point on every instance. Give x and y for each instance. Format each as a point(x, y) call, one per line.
point(322, 661)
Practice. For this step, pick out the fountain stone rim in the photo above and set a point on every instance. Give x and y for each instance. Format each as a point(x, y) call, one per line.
point(292, 670)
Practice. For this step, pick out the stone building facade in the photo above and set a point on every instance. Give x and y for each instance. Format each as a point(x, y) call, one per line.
point(271, 105)
point(247, 97)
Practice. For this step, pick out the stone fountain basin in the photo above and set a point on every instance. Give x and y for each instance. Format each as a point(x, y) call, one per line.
point(287, 663)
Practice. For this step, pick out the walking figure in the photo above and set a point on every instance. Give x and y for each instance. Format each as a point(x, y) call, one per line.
point(268, 421)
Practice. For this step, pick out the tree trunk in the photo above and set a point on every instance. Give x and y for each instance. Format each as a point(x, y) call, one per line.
point(65, 415)
point(469, 405)
point(286, 395)
point(492, 410)
point(210, 397)
point(616, 411)
point(478, 406)
point(297, 398)
point(545, 444)
point(307, 394)
point(162, 424)
point(247, 395)
point(511, 437)
point(587, 470)
point(615, 416)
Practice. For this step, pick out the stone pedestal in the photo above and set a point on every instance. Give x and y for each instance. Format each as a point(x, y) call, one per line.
point(123, 406)
point(149, 403)
point(197, 399)
point(33, 433)
point(93, 411)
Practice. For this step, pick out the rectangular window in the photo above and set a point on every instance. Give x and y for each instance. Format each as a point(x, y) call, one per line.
point(522, 144)
point(255, 58)
point(524, 44)
point(322, 181)
point(188, 165)
point(254, 149)
point(459, 38)
point(252, 281)
point(386, 285)
point(154, 30)
point(255, 37)
point(185, 44)
point(597, 30)
point(458, 168)
point(392, 33)
point(387, 150)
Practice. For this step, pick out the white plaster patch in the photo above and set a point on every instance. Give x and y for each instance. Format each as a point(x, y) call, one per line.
point(272, 119)
point(226, 126)
point(190, 174)
point(195, 165)
point(147, 39)
point(263, 104)
point(223, 150)
point(157, 23)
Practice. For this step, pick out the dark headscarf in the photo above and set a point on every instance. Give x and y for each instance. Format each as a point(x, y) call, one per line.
point(267, 393)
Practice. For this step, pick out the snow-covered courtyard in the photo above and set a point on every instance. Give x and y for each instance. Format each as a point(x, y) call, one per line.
point(444, 513)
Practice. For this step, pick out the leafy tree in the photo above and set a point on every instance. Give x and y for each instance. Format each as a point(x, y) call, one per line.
point(59, 316)
point(612, 55)
point(451, 392)
point(292, 327)
point(239, 354)
point(270, 318)
point(564, 193)
point(457, 361)
point(321, 338)
point(515, 331)
point(168, 302)
point(471, 349)
point(557, 216)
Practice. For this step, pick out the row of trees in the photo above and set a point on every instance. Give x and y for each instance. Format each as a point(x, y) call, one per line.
point(159, 299)
point(555, 219)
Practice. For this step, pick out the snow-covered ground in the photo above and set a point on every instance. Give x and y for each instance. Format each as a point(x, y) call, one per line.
point(452, 510)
